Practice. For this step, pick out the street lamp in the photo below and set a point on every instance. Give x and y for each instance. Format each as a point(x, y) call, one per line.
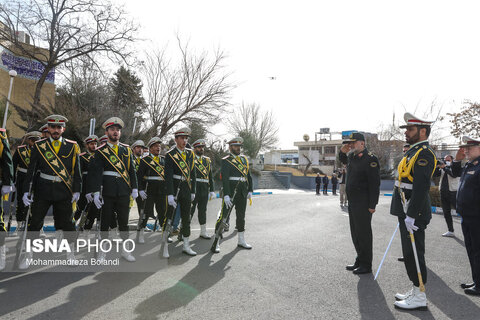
point(12, 74)
point(136, 115)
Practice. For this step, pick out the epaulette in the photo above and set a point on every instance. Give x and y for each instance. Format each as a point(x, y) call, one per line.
point(101, 146)
point(207, 158)
point(41, 140)
point(3, 130)
point(172, 149)
point(124, 144)
point(21, 146)
point(226, 157)
point(71, 141)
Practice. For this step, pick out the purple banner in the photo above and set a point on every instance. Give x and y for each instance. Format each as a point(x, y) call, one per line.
point(26, 68)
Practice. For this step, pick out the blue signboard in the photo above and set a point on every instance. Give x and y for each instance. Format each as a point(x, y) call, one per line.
point(25, 67)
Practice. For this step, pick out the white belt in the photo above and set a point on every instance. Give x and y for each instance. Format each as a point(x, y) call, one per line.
point(403, 185)
point(22, 170)
point(112, 174)
point(51, 178)
point(237, 179)
point(203, 180)
point(150, 178)
point(176, 176)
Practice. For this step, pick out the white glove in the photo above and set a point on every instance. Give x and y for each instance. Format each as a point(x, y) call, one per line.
point(171, 201)
point(97, 201)
point(75, 197)
point(26, 200)
point(6, 189)
point(89, 197)
point(249, 195)
point(135, 194)
point(228, 202)
point(13, 188)
point(212, 195)
point(410, 224)
point(193, 196)
point(142, 194)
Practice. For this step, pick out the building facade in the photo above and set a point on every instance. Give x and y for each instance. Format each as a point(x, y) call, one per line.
point(28, 72)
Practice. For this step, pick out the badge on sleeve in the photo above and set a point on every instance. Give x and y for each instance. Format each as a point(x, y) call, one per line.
point(422, 162)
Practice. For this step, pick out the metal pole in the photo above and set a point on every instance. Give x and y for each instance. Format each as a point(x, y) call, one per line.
point(134, 125)
point(12, 74)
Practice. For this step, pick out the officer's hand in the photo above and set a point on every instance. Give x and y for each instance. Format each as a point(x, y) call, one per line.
point(75, 197)
point(134, 194)
point(13, 188)
point(6, 190)
point(249, 195)
point(97, 201)
point(142, 194)
point(89, 197)
point(410, 224)
point(372, 211)
point(212, 195)
point(228, 202)
point(171, 201)
point(26, 200)
point(345, 148)
point(193, 196)
point(460, 154)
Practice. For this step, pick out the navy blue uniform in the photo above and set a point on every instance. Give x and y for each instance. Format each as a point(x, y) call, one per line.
point(468, 206)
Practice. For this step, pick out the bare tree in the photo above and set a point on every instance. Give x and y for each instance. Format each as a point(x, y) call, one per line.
point(467, 121)
point(68, 29)
point(197, 89)
point(258, 129)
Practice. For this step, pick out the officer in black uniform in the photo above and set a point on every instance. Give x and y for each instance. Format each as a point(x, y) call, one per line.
point(363, 190)
point(180, 181)
point(112, 173)
point(85, 198)
point(411, 204)
point(151, 183)
point(44, 130)
point(237, 188)
point(7, 186)
point(468, 206)
point(21, 160)
point(58, 185)
point(204, 190)
point(137, 149)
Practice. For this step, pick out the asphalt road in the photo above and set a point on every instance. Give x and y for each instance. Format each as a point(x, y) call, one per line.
point(296, 270)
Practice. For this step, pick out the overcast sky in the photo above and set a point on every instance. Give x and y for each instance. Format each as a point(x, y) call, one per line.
point(338, 64)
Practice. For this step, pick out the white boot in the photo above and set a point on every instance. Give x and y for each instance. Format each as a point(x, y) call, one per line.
point(241, 241)
point(141, 236)
point(3, 256)
point(203, 232)
point(416, 301)
point(101, 256)
point(449, 234)
point(165, 251)
point(186, 247)
point(24, 264)
point(127, 255)
point(403, 296)
point(217, 247)
point(42, 233)
point(59, 236)
point(71, 257)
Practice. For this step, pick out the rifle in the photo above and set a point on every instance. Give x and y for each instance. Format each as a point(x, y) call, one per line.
point(12, 200)
point(82, 219)
point(168, 229)
point(21, 245)
point(141, 212)
point(223, 222)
